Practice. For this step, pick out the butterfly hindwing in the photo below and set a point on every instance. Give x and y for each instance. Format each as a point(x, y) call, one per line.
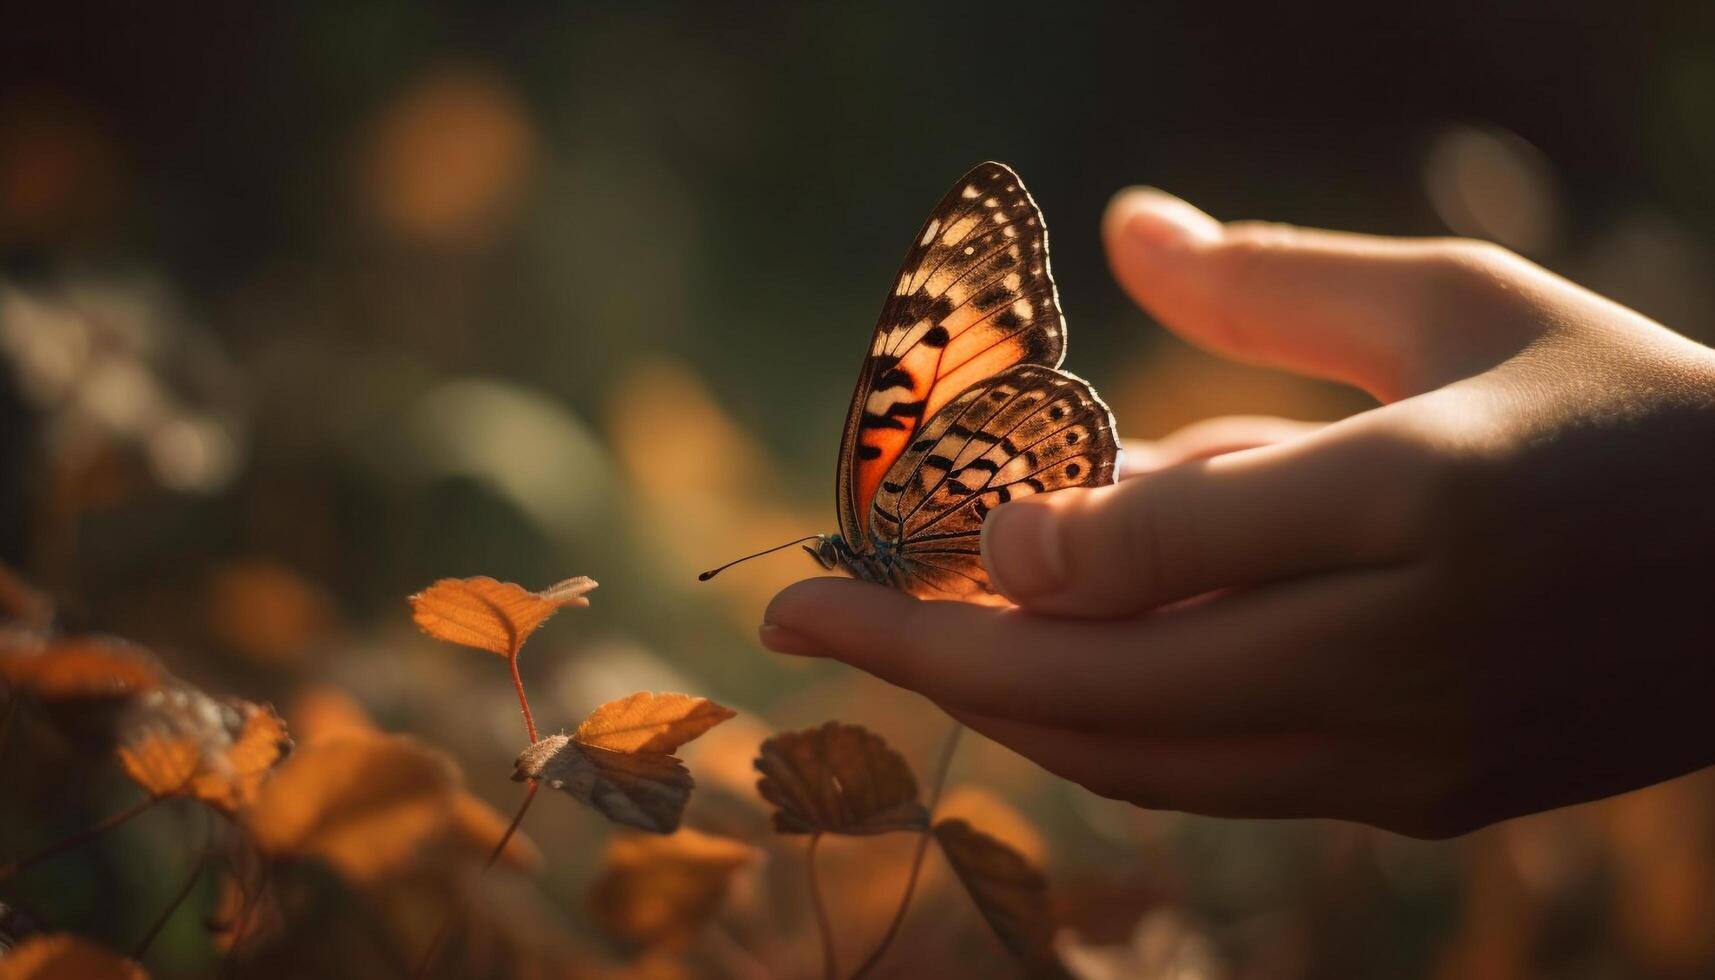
point(974, 297)
point(1028, 429)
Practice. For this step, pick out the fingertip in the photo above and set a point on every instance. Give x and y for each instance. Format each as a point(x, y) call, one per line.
point(815, 616)
point(1142, 223)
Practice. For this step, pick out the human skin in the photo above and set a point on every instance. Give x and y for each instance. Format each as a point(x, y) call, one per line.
point(1492, 595)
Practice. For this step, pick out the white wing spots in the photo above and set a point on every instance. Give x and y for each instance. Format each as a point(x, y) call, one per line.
point(1031, 221)
point(969, 192)
point(991, 202)
point(1012, 187)
point(880, 401)
point(1022, 309)
point(970, 250)
point(904, 286)
point(1012, 282)
point(999, 217)
point(1009, 231)
point(957, 231)
point(929, 232)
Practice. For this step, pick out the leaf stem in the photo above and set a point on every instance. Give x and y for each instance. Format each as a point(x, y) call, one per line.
point(457, 912)
point(830, 964)
point(179, 897)
point(523, 702)
point(78, 839)
point(941, 770)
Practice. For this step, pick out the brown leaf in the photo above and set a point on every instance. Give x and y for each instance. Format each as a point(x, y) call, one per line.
point(492, 615)
point(661, 891)
point(178, 741)
point(1010, 894)
point(646, 790)
point(838, 779)
point(76, 668)
point(62, 956)
point(646, 722)
point(364, 802)
point(619, 760)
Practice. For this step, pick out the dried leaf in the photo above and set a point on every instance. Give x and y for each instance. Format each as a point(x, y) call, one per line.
point(364, 802)
point(76, 668)
point(1010, 894)
point(61, 956)
point(619, 760)
point(661, 891)
point(646, 790)
point(838, 779)
point(492, 615)
point(178, 741)
point(646, 722)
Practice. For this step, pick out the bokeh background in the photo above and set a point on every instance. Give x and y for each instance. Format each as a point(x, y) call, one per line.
point(305, 306)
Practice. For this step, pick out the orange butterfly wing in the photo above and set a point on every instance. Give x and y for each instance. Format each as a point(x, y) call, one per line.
point(973, 298)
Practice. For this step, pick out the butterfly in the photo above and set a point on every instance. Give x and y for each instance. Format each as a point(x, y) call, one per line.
point(961, 405)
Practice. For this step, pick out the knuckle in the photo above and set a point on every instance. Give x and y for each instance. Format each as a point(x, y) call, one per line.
point(1463, 269)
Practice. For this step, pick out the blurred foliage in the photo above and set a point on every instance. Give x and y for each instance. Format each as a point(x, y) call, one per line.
point(304, 306)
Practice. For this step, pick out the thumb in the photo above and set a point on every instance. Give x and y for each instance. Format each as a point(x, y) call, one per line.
point(1391, 316)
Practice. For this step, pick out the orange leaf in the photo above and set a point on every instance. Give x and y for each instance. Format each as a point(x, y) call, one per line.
point(619, 760)
point(74, 668)
point(492, 615)
point(1010, 893)
point(838, 779)
point(61, 955)
point(646, 722)
point(366, 803)
point(661, 891)
point(266, 611)
point(646, 790)
point(320, 711)
point(178, 741)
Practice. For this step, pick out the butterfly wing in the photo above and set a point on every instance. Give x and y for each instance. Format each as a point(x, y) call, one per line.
point(973, 298)
point(1029, 429)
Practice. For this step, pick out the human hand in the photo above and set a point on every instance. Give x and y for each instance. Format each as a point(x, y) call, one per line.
point(1493, 595)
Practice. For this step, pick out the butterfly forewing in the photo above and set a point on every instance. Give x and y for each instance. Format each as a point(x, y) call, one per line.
point(973, 298)
point(1029, 429)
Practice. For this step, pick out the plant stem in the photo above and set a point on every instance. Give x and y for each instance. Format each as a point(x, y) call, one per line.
point(179, 897)
point(941, 770)
point(830, 965)
point(457, 912)
point(78, 839)
point(523, 702)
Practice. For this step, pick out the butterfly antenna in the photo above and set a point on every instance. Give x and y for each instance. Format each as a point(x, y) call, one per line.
point(711, 573)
